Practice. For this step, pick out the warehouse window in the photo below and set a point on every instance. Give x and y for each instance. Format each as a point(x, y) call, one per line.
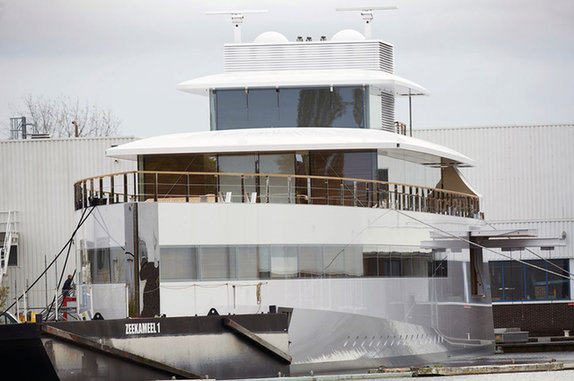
point(13, 258)
point(516, 281)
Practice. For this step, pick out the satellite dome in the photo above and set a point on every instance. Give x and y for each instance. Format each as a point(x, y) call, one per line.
point(270, 37)
point(348, 35)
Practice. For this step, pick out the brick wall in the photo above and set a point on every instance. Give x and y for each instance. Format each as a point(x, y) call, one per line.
point(550, 319)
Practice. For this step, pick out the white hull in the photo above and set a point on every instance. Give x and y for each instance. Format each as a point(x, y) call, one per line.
point(345, 322)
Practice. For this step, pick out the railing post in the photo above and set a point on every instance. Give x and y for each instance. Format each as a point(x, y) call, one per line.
point(420, 193)
point(455, 205)
point(187, 187)
point(136, 196)
point(385, 198)
point(342, 193)
point(84, 194)
point(101, 184)
point(289, 190)
point(424, 201)
point(367, 189)
point(309, 200)
point(267, 188)
point(442, 202)
point(326, 192)
point(404, 197)
point(92, 190)
point(112, 191)
point(242, 188)
point(354, 193)
point(125, 187)
point(155, 187)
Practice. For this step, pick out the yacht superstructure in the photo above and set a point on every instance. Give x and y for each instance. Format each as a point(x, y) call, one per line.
point(304, 198)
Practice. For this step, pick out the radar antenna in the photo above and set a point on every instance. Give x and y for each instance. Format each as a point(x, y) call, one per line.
point(367, 13)
point(236, 20)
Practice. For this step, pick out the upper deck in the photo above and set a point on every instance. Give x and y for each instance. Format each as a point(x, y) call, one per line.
point(306, 122)
point(346, 82)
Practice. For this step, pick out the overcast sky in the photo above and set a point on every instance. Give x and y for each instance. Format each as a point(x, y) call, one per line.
point(485, 62)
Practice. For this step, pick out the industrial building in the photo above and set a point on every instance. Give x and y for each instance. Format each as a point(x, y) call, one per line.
point(524, 174)
point(37, 208)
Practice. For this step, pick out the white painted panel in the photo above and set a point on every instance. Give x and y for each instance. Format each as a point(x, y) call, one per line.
point(284, 224)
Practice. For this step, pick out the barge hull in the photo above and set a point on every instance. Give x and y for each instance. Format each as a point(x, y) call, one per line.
point(139, 349)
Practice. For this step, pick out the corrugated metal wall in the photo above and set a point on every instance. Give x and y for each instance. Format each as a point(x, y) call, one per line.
point(524, 173)
point(36, 180)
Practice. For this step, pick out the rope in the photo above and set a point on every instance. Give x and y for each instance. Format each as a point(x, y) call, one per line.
point(83, 219)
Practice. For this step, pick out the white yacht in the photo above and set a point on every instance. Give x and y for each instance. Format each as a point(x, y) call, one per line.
point(303, 196)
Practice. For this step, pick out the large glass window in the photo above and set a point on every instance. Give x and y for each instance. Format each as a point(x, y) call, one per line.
point(310, 261)
point(334, 261)
point(290, 261)
point(357, 165)
point(398, 169)
point(496, 281)
point(108, 265)
point(175, 185)
point(178, 263)
point(215, 262)
point(290, 107)
point(233, 183)
point(283, 164)
point(284, 262)
point(511, 280)
point(558, 286)
point(536, 283)
point(247, 262)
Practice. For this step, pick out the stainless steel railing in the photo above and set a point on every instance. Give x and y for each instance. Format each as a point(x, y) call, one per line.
point(166, 186)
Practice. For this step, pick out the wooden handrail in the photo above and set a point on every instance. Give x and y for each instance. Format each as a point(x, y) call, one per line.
point(347, 191)
point(350, 179)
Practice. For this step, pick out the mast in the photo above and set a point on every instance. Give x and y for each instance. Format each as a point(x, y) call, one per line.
point(367, 13)
point(236, 19)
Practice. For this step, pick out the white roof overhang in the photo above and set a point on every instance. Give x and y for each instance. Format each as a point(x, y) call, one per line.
point(293, 139)
point(385, 82)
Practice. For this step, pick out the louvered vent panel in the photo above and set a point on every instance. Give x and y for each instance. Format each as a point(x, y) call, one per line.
point(370, 55)
point(387, 112)
point(386, 58)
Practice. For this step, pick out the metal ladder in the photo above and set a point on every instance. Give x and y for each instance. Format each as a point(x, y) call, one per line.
point(10, 239)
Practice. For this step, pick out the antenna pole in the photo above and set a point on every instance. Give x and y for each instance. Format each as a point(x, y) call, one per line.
point(368, 17)
point(236, 19)
point(367, 13)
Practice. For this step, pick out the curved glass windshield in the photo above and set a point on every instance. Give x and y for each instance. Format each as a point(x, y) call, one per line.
point(343, 107)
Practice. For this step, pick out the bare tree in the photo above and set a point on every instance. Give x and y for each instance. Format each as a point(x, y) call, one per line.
point(60, 116)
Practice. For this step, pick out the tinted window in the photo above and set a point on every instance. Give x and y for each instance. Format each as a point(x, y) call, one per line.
point(308, 107)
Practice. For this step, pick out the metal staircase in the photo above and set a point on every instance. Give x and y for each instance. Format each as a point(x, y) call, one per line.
point(63, 309)
point(7, 224)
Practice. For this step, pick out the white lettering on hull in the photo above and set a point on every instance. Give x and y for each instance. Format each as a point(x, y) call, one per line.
point(142, 328)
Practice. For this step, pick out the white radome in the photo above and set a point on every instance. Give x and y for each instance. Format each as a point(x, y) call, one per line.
point(348, 35)
point(270, 38)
